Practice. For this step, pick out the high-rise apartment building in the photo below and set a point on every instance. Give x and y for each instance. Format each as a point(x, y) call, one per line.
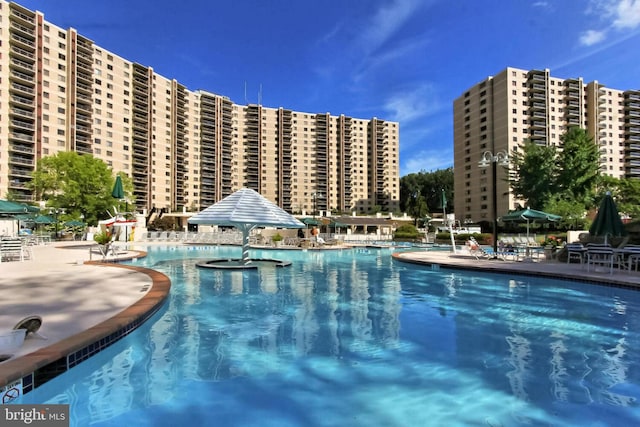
point(502, 112)
point(59, 91)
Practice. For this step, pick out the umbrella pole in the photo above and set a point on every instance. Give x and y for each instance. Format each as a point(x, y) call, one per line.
point(245, 245)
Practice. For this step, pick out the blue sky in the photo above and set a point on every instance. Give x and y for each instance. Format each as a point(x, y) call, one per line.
point(401, 60)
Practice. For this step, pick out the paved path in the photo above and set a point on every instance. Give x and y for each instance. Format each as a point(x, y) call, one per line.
point(69, 295)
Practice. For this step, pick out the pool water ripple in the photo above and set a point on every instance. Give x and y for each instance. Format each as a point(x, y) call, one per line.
point(357, 339)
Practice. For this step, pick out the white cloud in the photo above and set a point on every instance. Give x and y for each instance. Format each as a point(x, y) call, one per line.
point(627, 14)
point(412, 104)
point(426, 160)
point(386, 22)
point(592, 37)
point(617, 15)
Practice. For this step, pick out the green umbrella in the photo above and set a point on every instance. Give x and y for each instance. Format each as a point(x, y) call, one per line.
point(310, 221)
point(74, 223)
point(7, 206)
point(118, 189)
point(44, 219)
point(607, 221)
point(529, 216)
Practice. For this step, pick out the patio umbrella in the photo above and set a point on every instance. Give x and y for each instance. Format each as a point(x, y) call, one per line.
point(607, 222)
point(246, 209)
point(44, 219)
point(310, 221)
point(74, 223)
point(9, 207)
point(118, 189)
point(530, 216)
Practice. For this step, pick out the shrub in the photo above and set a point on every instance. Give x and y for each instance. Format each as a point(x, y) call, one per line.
point(102, 238)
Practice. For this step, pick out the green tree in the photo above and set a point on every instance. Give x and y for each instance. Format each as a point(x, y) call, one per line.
point(578, 166)
point(571, 211)
point(429, 185)
point(543, 175)
point(533, 174)
point(81, 184)
point(417, 208)
point(626, 193)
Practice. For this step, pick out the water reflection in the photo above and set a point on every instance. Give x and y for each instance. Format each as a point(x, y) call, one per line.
point(549, 345)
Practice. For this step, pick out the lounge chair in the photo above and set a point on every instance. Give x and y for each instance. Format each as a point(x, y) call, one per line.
point(11, 249)
point(476, 250)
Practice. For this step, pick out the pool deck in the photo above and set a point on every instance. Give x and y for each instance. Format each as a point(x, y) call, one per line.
point(545, 268)
point(81, 299)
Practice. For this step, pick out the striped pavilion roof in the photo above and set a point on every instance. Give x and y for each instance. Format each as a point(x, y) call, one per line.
point(246, 207)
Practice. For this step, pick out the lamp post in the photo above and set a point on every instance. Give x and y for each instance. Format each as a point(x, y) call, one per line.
point(488, 158)
point(55, 212)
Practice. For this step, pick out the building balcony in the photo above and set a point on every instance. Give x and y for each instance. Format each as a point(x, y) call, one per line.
point(24, 54)
point(21, 41)
point(18, 64)
point(17, 87)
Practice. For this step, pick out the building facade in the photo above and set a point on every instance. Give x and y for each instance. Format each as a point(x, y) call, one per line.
point(60, 91)
point(500, 113)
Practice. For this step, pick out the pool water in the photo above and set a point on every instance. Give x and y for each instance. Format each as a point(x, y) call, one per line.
point(354, 338)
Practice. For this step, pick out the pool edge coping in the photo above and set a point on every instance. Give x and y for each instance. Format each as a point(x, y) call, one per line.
point(68, 352)
point(496, 267)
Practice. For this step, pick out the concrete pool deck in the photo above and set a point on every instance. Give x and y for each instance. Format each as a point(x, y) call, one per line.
point(546, 268)
point(85, 304)
point(82, 301)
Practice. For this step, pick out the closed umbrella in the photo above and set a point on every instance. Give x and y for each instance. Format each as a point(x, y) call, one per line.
point(607, 222)
point(118, 189)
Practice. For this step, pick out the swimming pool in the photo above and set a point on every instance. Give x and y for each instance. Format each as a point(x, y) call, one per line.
point(353, 338)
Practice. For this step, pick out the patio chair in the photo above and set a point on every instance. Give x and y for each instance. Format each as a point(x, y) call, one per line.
point(600, 255)
point(633, 260)
point(576, 251)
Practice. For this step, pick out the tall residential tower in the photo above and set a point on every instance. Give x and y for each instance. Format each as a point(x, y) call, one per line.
point(60, 91)
point(502, 112)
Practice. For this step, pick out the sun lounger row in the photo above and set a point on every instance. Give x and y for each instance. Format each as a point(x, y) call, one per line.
point(214, 238)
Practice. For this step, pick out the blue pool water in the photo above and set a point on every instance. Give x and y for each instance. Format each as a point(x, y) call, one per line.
point(353, 338)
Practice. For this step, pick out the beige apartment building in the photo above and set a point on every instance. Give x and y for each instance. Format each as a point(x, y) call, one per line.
point(500, 113)
point(183, 149)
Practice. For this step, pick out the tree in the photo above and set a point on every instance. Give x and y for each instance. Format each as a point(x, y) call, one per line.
point(543, 174)
point(417, 207)
point(81, 184)
point(578, 166)
point(533, 173)
point(429, 185)
point(626, 193)
point(571, 211)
